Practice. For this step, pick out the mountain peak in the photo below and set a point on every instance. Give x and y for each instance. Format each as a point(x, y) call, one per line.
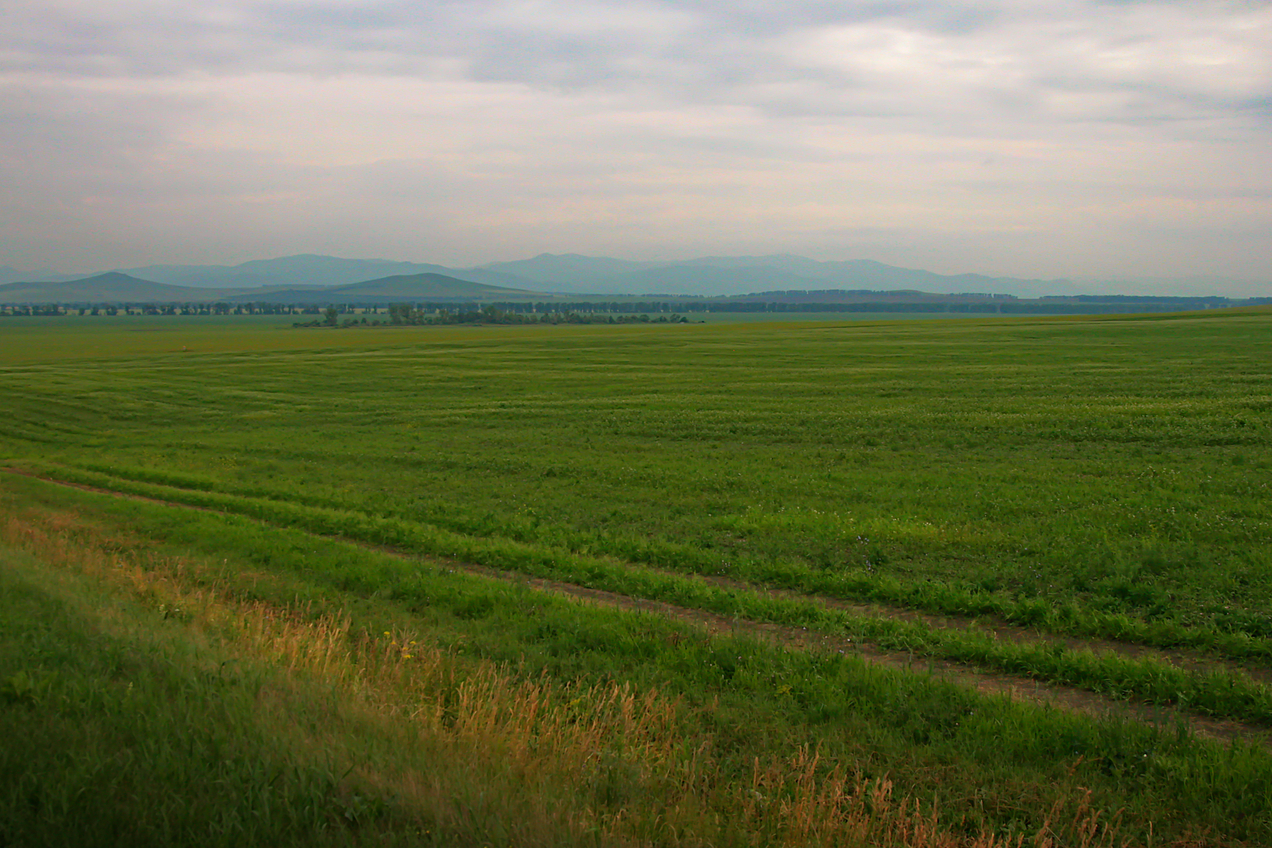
point(110, 277)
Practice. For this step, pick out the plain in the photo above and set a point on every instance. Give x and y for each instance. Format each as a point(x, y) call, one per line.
point(1080, 502)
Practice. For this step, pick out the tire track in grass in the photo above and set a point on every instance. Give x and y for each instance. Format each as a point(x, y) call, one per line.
point(986, 682)
point(1181, 658)
point(1017, 687)
point(1193, 658)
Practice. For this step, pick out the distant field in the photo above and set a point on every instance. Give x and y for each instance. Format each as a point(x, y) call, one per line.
point(787, 317)
point(27, 339)
point(24, 339)
point(1093, 492)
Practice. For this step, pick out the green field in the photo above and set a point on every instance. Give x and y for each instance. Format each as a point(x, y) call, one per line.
point(1077, 502)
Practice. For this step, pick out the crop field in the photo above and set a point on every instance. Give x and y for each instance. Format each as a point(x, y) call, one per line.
point(923, 583)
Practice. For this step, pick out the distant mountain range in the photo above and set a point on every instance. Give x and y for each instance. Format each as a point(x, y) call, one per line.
point(730, 275)
point(287, 279)
point(394, 289)
point(287, 272)
point(308, 270)
point(113, 287)
point(575, 274)
point(117, 287)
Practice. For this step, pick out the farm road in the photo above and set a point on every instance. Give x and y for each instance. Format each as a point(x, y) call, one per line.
point(991, 683)
point(987, 682)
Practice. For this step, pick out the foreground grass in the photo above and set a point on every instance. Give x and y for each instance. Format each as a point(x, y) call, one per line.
point(1223, 693)
point(163, 717)
point(338, 694)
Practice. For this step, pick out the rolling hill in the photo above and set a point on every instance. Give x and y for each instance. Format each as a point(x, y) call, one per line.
point(307, 270)
point(395, 289)
point(575, 274)
point(570, 272)
point(117, 287)
point(114, 287)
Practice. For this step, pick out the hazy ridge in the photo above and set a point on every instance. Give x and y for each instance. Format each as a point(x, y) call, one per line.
point(286, 279)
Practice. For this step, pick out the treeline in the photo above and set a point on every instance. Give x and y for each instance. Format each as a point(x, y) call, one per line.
point(51, 309)
point(1210, 302)
point(405, 315)
point(538, 311)
point(630, 311)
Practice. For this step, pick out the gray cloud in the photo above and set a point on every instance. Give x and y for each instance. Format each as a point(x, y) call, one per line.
point(1046, 133)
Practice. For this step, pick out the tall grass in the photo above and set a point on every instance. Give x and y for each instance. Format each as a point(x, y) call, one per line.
point(1222, 635)
point(1222, 693)
point(466, 753)
point(668, 723)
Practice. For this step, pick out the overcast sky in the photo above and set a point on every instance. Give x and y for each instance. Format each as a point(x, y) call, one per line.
point(1042, 138)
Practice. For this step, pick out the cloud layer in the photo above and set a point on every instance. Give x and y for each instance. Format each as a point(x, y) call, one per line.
point(1061, 137)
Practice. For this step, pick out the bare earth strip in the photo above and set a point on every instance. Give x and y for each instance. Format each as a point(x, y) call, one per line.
point(1189, 660)
point(991, 683)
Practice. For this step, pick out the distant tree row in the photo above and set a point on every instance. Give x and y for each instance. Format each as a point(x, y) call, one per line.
point(587, 311)
point(405, 315)
point(161, 309)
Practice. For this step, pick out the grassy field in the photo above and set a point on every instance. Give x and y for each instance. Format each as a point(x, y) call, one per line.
point(837, 317)
point(1091, 492)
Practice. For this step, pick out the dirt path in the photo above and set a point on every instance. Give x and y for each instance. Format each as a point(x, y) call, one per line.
point(987, 682)
point(1189, 660)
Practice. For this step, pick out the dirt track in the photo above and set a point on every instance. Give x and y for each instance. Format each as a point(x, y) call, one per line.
point(988, 682)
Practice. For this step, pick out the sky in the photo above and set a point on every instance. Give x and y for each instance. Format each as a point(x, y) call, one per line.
point(1053, 138)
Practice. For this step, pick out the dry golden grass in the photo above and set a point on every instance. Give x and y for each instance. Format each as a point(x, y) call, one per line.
point(473, 747)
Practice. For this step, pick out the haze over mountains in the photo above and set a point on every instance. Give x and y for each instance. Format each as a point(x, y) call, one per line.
point(565, 274)
point(575, 274)
point(388, 290)
point(111, 287)
point(727, 275)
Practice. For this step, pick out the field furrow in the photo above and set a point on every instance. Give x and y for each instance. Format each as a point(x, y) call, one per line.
point(1210, 696)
